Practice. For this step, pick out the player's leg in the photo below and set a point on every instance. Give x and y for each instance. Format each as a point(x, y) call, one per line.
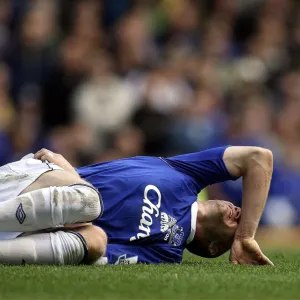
point(84, 244)
point(50, 207)
point(96, 241)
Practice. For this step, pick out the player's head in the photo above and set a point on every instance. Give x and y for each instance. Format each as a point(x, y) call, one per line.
point(217, 222)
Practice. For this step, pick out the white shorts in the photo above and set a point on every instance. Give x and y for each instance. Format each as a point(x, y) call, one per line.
point(17, 176)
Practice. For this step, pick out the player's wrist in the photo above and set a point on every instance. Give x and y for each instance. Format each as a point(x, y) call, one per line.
point(241, 236)
point(246, 229)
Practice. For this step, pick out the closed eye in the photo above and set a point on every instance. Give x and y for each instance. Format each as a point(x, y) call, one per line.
point(231, 213)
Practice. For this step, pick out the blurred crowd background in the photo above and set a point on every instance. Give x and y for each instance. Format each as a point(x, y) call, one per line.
point(99, 80)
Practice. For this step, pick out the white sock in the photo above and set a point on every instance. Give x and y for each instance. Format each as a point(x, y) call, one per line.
point(54, 248)
point(50, 207)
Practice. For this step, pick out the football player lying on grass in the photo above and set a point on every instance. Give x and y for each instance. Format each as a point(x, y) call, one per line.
point(151, 213)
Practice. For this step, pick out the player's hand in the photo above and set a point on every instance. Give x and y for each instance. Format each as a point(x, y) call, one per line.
point(247, 251)
point(55, 158)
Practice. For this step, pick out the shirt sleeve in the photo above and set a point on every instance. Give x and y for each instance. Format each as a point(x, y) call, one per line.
point(204, 168)
point(150, 254)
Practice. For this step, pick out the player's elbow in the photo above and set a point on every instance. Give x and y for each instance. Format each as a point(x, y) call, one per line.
point(261, 157)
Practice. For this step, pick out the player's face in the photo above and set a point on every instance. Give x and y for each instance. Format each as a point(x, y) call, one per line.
point(223, 216)
point(223, 212)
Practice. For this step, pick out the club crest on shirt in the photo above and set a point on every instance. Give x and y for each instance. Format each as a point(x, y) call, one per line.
point(176, 235)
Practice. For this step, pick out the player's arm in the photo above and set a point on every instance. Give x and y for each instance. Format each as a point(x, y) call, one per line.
point(58, 159)
point(255, 165)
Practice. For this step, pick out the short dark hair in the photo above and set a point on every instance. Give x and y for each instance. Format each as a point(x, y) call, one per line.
point(201, 248)
point(212, 238)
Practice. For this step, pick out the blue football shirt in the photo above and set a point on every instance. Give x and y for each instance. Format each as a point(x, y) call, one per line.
point(150, 203)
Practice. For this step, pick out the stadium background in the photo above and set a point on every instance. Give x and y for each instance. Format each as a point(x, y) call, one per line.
point(101, 80)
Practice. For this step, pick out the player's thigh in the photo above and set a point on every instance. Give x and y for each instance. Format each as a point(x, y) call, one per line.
point(58, 178)
point(95, 238)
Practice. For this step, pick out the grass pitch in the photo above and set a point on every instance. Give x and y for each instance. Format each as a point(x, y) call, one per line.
point(196, 278)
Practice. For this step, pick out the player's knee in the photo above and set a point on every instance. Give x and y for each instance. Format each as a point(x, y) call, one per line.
point(100, 242)
point(96, 242)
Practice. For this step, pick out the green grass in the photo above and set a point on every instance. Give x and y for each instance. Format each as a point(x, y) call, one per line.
point(194, 279)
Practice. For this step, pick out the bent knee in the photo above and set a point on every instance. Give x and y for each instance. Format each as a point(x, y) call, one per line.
point(96, 240)
point(99, 243)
